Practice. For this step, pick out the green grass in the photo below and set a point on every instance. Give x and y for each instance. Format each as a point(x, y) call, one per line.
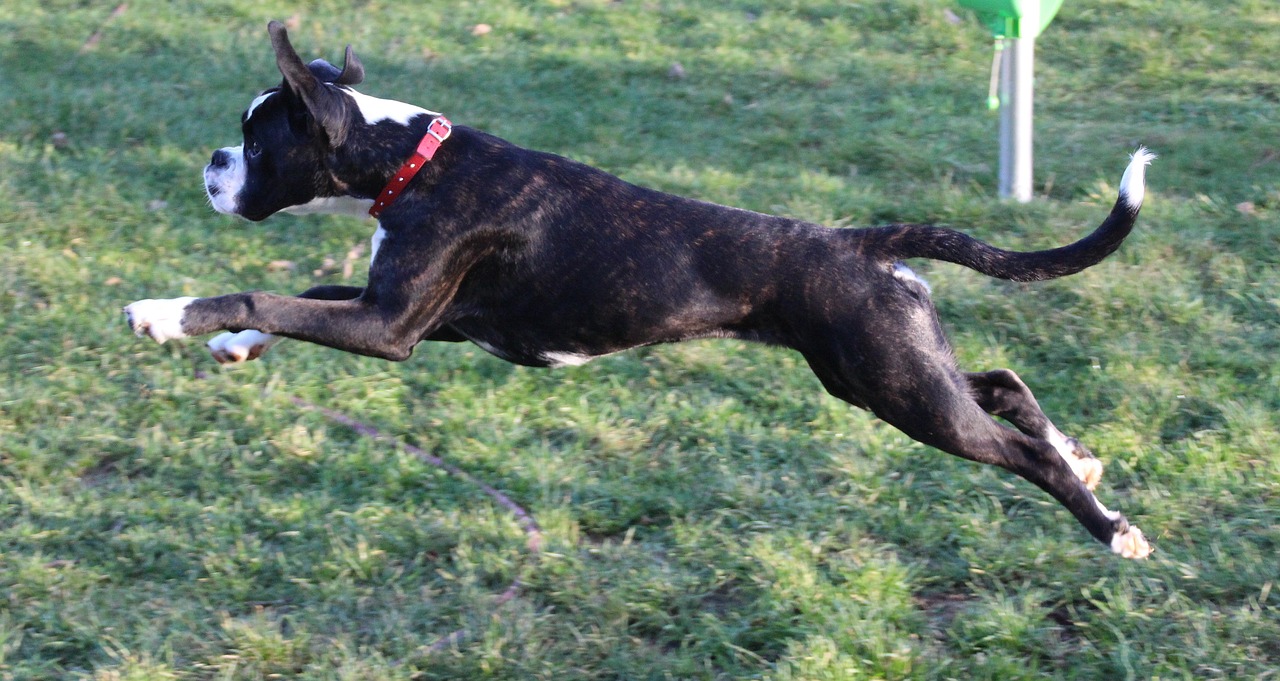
point(708, 512)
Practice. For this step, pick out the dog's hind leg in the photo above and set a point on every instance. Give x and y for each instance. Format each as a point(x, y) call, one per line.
point(953, 422)
point(1002, 393)
point(917, 390)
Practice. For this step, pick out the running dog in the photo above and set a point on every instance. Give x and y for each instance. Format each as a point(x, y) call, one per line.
point(545, 262)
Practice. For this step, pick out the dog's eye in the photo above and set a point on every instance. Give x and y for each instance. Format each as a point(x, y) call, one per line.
point(252, 149)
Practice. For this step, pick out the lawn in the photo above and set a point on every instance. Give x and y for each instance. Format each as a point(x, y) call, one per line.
point(705, 510)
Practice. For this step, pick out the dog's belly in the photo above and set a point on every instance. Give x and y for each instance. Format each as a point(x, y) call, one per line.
point(540, 345)
point(529, 352)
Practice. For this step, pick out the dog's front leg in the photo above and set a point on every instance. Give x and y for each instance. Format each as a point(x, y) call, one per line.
point(382, 329)
point(404, 302)
point(233, 347)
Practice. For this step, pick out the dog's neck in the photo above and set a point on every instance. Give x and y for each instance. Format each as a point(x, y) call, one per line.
point(363, 171)
point(437, 132)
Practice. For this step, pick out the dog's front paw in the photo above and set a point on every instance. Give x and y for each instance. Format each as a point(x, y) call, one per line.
point(159, 318)
point(1131, 543)
point(233, 348)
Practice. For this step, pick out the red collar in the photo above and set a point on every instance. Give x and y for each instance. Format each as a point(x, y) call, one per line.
point(437, 133)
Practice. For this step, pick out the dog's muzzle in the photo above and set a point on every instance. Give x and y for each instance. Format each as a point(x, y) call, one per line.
point(224, 177)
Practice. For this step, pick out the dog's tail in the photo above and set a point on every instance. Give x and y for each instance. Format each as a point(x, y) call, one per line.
point(938, 243)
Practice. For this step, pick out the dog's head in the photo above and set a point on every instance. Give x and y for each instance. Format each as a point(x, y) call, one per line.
point(299, 136)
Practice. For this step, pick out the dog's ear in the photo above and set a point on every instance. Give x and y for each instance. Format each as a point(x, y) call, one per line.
point(352, 72)
point(352, 69)
point(327, 107)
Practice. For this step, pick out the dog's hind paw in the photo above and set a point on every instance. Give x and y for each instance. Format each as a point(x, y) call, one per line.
point(1131, 544)
point(1089, 470)
point(1083, 463)
point(233, 348)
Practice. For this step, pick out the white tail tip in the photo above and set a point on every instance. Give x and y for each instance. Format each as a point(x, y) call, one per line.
point(1133, 183)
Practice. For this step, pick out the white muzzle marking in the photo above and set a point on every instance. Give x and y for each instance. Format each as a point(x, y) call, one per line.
point(223, 183)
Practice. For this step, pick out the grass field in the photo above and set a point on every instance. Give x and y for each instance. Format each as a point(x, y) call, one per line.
point(707, 512)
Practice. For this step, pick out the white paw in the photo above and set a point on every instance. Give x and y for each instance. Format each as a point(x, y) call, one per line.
point(1088, 470)
point(1082, 463)
point(159, 318)
point(1131, 544)
point(232, 348)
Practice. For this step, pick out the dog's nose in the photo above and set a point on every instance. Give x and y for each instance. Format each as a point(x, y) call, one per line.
point(221, 159)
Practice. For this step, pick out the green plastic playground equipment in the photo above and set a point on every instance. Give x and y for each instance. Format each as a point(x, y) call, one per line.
point(1014, 24)
point(1014, 18)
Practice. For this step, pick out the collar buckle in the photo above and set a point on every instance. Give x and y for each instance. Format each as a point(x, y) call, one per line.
point(440, 129)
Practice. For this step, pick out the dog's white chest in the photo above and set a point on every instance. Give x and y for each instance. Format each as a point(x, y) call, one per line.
point(379, 235)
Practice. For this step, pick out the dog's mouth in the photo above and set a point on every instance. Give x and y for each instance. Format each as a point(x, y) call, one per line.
point(212, 189)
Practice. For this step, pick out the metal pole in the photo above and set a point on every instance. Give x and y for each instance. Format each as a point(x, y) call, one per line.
point(1017, 94)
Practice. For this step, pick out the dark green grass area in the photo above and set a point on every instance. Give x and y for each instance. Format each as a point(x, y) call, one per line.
point(708, 512)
